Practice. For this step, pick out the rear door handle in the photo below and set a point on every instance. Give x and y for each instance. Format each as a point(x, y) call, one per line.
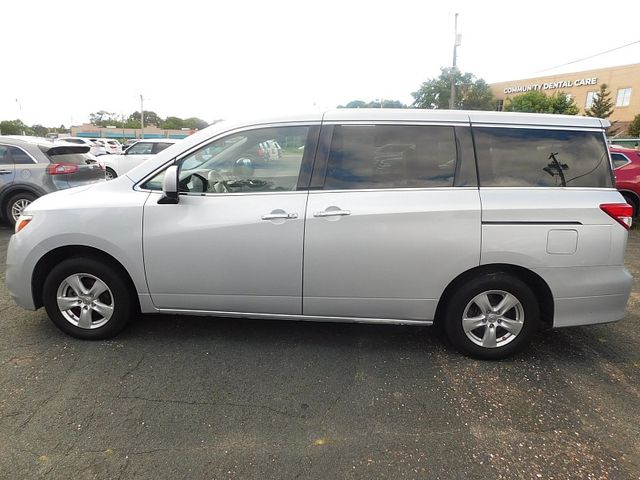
point(5, 172)
point(335, 212)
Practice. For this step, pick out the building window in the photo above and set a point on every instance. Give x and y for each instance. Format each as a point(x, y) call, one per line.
point(499, 105)
point(591, 97)
point(624, 96)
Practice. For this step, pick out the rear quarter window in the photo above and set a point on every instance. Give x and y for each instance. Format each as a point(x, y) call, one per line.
point(161, 146)
point(523, 157)
point(619, 160)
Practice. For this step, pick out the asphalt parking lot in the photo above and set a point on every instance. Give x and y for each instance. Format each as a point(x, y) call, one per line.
point(182, 397)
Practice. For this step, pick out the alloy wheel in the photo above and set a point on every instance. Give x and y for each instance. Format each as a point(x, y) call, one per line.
point(85, 301)
point(18, 207)
point(493, 318)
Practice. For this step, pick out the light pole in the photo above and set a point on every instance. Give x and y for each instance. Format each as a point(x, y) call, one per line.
point(141, 116)
point(20, 109)
point(456, 44)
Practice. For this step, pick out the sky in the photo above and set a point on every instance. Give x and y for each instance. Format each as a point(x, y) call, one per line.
point(64, 59)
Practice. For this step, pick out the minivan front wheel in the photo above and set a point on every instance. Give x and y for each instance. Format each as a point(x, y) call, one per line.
point(16, 205)
point(87, 299)
point(492, 316)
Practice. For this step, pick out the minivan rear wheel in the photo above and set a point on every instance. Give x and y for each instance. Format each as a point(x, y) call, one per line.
point(16, 205)
point(87, 299)
point(492, 316)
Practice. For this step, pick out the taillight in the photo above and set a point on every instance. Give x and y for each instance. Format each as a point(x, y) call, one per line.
point(62, 168)
point(620, 212)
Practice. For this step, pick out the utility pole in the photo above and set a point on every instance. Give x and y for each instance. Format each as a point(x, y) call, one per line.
point(142, 116)
point(20, 108)
point(456, 44)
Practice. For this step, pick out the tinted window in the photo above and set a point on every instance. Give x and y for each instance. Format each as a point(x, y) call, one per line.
point(522, 157)
point(140, 148)
point(71, 154)
point(5, 157)
point(161, 146)
point(391, 156)
point(619, 160)
point(19, 156)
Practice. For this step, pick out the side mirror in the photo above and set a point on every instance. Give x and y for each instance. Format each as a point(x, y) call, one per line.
point(170, 186)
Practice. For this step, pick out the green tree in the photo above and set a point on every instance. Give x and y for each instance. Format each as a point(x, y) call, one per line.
point(14, 127)
point(602, 106)
point(563, 104)
point(471, 93)
point(634, 127)
point(374, 104)
point(150, 118)
point(39, 130)
point(173, 123)
point(354, 104)
point(102, 118)
point(536, 101)
point(195, 123)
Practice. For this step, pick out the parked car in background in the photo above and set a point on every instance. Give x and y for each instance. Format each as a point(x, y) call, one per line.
point(96, 148)
point(626, 164)
point(141, 150)
point(128, 143)
point(269, 150)
point(112, 146)
point(490, 224)
point(31, 167)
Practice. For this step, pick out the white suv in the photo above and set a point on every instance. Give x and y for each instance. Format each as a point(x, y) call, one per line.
point(142, 150)
point(95, 148)
point(490, 224)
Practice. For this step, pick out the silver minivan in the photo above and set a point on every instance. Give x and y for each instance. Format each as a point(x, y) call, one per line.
point(491, 225)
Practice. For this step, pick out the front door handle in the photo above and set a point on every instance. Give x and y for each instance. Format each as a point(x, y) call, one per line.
point(5, 172)
point(333, 212)
point(279, 215)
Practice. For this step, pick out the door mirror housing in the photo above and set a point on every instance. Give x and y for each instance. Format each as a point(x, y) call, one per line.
point(170, 186)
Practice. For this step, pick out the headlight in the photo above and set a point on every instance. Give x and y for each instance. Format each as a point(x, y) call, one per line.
point(23, 221)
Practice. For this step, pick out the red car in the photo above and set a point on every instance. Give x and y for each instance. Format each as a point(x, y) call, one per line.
point(626, 164)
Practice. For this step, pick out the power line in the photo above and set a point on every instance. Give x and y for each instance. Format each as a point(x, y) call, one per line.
point(587, 58)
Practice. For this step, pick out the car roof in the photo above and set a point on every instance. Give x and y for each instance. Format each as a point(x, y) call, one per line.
point(623, 149)
point(475, 117)
point(159, 140)
point(22, 140)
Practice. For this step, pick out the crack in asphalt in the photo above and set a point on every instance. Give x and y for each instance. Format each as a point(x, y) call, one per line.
point(133, 369)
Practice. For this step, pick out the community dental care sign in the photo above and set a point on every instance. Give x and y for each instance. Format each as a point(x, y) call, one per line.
point(580, 82)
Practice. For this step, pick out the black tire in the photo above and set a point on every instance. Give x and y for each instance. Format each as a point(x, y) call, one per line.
point(110, 173)
point(118, 297)
point(13, 200)
point(494, 285)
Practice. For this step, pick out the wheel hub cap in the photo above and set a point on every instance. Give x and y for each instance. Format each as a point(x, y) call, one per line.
point(85, 301)
point(493, 318)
